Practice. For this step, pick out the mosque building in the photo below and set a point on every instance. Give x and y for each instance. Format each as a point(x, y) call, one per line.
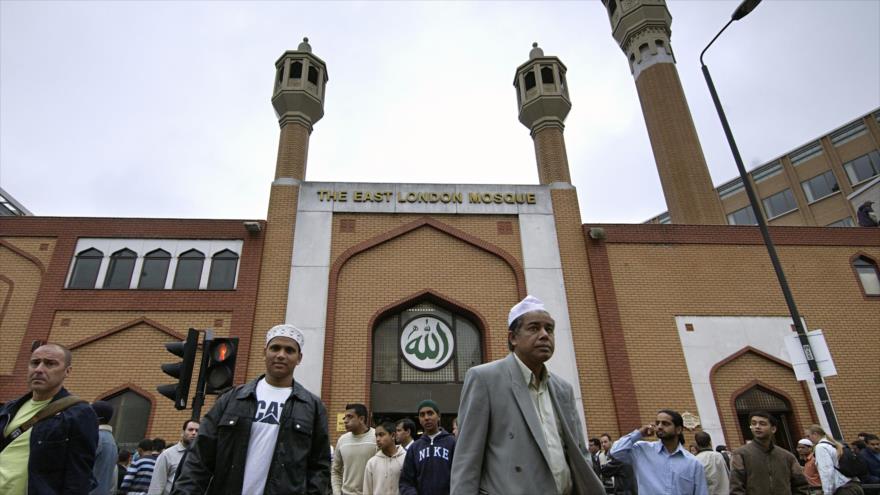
point(400, 288)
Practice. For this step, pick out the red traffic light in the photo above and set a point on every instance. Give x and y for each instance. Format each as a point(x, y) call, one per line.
point(221, 351)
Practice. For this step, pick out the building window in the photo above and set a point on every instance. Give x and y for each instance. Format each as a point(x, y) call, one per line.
point(731, 188)
point(223, 265)
point(120, 269)
point(807, 152)
point(780, 203)
point(820, 186)
point(389, 364)
point(743, 216)
point(85, 269)
point(863, 167)
point(844, 222)
point(530, 80)
point(546, 75)
point(131, 412)
point(189, 270)
point(296, 70)
point(869, 276)
point(767, 171)
point(313, 75)
point(155, 269)
point(849, 133)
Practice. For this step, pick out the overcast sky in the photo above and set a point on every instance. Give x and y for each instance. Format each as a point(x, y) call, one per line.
point(162, 109)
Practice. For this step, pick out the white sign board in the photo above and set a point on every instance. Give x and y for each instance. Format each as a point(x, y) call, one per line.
point(820, 353)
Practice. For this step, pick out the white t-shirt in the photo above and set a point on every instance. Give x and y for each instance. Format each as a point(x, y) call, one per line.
point(264, 434)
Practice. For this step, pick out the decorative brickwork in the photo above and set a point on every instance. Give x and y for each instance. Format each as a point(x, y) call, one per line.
point(746, 369)
point(379, 273)
point(117, 336)
point(687, 186)
point(661, 271)
point(551, 155)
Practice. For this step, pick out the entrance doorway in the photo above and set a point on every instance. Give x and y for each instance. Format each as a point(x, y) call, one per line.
point(758, 398)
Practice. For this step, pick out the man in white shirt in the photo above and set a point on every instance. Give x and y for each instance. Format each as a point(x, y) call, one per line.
point(827, 452)
point(166, 463)
point(353, 450)
point(714, 465)
point(267, 436)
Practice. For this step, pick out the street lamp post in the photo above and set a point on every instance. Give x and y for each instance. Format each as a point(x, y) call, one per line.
point(744, 8)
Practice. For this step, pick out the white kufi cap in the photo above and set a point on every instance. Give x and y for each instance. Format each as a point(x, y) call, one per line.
point(527, 305)
point(285, 330)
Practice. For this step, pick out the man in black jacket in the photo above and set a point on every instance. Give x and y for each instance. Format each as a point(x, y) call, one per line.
point(266, 436)
point(56, 454)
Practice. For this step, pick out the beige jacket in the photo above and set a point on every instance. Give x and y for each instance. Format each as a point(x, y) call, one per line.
point(382, 474)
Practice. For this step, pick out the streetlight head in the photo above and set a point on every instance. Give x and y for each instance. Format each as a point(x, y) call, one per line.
point(744, 8)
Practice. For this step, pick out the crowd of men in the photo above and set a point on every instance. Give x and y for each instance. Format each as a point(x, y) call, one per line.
point(517, 432)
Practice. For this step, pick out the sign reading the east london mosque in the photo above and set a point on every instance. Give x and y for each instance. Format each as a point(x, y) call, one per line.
point(455, 197)
point(426, 343)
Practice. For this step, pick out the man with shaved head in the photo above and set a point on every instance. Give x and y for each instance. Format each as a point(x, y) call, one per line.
point(48, 438)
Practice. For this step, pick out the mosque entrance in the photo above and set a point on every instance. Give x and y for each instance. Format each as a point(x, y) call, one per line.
point(760, 399)
point(422, 350)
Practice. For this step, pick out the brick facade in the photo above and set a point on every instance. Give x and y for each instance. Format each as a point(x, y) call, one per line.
point(116, 336)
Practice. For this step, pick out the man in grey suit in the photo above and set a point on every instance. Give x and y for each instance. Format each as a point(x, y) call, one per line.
point(519, 431)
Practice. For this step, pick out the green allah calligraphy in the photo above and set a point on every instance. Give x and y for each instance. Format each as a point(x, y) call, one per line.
point(426, 344)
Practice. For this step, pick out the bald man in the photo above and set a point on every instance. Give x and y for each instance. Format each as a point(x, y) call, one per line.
point(49, 437)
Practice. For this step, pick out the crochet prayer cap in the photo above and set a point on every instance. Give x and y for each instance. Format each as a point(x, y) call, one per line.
point(285, 330)
point(429, 403)
point(527, 305)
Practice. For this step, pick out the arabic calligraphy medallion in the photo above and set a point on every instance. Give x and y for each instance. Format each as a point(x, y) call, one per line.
point(427, 343)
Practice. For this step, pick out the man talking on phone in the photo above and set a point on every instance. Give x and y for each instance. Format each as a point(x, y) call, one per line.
point(662, 467)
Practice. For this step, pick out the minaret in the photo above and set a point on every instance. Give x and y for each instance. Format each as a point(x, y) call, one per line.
point(542, 96)
point(642, 29)
point(543, 103)
point(298, 99)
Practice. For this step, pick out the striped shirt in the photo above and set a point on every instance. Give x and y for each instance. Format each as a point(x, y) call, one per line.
point(137, 478)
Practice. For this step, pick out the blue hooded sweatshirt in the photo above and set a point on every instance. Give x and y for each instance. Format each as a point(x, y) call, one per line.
point(427, 465)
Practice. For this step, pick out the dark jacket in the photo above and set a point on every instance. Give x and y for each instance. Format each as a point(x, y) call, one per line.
point(63, 447)
point(873, 463)
point(427, 465)
point(756, 471)
point(301, 462)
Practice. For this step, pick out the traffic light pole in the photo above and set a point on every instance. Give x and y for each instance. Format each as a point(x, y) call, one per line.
point(199, 397)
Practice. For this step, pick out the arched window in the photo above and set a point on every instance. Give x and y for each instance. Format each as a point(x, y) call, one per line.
point(155, 269)
point(189, 270)
point(120, 269)
point(868, 274)
point(223, 265)
point(423, 350)
point(131, 413)
point(546, 75)
point(759, 399)
point(530, 80)
point(85, 269)
point(313, 75)
point(296, 70)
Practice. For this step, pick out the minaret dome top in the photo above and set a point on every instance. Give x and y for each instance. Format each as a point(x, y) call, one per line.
point(535, 52)
point(304, 46)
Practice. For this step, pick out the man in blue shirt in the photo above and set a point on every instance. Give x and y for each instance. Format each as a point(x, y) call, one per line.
point(662, 467)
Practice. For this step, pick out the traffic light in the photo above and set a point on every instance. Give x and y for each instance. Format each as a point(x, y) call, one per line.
point(179, 392)
point(221, 364)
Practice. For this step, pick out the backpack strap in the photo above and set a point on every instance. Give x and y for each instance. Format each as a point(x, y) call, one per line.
point(52, 409)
